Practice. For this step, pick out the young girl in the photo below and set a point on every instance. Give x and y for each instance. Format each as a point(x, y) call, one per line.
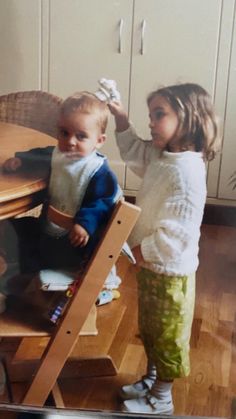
point(165, 239)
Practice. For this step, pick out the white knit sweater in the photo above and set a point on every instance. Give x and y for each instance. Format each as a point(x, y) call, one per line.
point(172, 198)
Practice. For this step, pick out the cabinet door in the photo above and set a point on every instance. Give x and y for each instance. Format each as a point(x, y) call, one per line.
point(221, 88)
point(90, 39)
point(179, 43)
point(20, 45)
point(228, 162)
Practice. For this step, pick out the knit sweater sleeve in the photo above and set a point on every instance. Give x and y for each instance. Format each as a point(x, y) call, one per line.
point(102, 193)
point(134, 151)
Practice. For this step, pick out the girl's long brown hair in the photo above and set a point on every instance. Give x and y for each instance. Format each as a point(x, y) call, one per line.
point(198, 124)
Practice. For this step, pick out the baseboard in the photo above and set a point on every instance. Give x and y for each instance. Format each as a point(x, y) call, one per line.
point(219, 215)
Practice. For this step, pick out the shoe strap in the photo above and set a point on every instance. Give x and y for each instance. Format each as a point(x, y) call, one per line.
point(152, 400)
point(148, 383)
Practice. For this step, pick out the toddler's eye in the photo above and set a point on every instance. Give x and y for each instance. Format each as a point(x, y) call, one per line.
point(80, 136)
point(63, 133)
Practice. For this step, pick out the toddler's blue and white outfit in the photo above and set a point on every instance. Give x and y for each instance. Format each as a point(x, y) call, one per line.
point(84, 188)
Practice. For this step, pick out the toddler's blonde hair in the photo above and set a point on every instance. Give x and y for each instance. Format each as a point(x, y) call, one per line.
point(87, 103)
point(198, 124)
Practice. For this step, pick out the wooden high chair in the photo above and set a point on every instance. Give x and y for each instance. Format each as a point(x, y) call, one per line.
point(63, 337)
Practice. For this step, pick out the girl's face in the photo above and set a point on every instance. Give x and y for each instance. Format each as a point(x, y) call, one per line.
point(163, 124)
point(79, 134)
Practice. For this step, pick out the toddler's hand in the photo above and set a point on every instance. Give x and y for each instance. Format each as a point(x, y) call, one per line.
point(138, 255)
point(12, 164)
point(78, 236)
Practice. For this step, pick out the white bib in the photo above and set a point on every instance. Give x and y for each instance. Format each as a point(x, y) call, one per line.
point(68, 183)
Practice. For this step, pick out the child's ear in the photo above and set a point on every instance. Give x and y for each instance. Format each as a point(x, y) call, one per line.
point(101, 141)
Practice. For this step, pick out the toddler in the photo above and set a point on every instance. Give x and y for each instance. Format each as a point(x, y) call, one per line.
point(81, 185)
point(165, 240)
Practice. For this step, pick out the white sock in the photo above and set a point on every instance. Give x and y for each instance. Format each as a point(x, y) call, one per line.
point(162, 390)
point(151, 371)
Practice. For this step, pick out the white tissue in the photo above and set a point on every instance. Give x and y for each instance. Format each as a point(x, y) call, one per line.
point(107, 91)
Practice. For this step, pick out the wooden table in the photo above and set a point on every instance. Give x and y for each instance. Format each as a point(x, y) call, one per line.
point(20, 191)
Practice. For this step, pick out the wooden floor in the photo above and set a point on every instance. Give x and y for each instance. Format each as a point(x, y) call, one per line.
point(210, 390)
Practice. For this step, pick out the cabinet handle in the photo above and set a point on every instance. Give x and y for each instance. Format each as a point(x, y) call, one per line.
point(121, 24)
point(143, 29)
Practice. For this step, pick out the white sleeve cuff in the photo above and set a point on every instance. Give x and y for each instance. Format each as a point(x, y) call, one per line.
point(149, 250)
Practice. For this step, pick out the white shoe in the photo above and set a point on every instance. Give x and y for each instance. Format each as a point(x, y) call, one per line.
point(148, 404)
point(2, 303)
point(136, 390)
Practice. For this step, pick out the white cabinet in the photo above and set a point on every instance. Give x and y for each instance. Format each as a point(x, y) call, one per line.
point(181, 44)
point(20, 45)
point(90, 39)
point(228, 161)
point(162, 42)
point(225, 101)
point(65, 46)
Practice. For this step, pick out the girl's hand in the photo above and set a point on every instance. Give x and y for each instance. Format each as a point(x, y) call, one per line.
point(121, 118)
point(116, 108)
point(138, 255)
point(12, 164)
point(78, 236)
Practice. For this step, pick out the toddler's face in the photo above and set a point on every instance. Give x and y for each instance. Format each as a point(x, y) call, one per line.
point(163, 124)
point(79, 134)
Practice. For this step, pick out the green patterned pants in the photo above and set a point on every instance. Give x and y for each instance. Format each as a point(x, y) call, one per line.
point(166, 306)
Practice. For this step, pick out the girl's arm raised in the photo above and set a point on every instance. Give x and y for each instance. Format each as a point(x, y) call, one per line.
point(133, 150)
point(121, 117)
